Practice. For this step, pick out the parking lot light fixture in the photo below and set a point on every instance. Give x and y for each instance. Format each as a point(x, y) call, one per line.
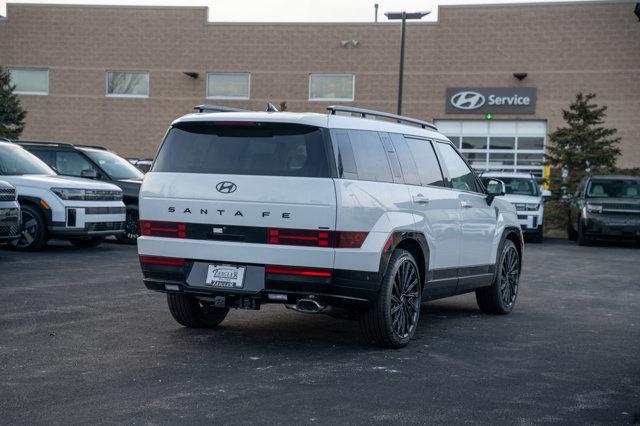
point(403, 16)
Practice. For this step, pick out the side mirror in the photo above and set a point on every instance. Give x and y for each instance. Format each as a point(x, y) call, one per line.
point(495, 188)
point(89, 174)
point(546, 193)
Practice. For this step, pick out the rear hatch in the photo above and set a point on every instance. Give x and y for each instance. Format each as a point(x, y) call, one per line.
point(243, 182)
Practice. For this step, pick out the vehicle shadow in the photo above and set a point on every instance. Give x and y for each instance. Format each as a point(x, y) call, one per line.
point(290, 331)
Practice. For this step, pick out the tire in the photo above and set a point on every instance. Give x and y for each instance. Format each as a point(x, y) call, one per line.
point(86, 241)
point(582, 239)
point(538, 236)
point(571, 233)
point(33, 232)
point(131, 227)
point(501, 296)
point(391, 320)
point(193, 313)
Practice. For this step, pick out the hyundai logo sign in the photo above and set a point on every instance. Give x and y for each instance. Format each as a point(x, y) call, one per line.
point(494, 100)
point(226, 187)
point(467, 100)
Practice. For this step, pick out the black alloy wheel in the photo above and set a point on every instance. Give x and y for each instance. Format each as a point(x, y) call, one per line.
point(405, 300)
point(509, 277)
point(500, 297)
point(391, 320)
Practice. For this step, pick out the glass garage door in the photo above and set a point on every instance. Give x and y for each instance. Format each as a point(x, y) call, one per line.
point(499, 145)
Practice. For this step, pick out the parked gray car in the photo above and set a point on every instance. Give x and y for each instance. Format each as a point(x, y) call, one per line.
point(605, 207)
point(9, 212)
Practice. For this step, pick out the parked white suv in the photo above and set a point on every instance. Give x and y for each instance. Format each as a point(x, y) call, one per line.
point(323, 213)
point(523, 191)
point(80, 210)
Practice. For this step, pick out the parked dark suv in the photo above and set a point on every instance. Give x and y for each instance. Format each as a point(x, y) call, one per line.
point(605, 207)
point(95, 162)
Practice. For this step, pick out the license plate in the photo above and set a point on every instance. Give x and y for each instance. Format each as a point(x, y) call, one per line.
point(225, 276)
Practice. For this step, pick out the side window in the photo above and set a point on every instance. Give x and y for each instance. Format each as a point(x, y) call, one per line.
point(72, 163)
point(408, 165)
point(427, 161)
point(462, 177)
point(371, 159)
point(346, 160)
point(46, 155)
point(393, 157)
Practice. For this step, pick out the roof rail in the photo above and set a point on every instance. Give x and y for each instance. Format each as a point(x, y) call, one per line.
point(103, 148)
point(364, 112)
point(217, 108)
point(20, 142)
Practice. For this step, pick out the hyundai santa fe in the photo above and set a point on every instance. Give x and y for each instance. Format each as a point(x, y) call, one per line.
point(324, 213)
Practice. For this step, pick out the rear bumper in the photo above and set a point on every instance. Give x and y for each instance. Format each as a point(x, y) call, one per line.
point(344, 289)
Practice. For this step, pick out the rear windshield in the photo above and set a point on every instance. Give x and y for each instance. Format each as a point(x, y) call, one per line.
point(272, 149)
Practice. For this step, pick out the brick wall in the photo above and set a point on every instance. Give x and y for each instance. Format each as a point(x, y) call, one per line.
point(565, 48)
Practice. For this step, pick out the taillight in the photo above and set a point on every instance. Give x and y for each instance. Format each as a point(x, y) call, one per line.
point(315, 238)
point(153, 228)
point(349, 239)
point(165, 261)
point(294, 270)
point(299, 237)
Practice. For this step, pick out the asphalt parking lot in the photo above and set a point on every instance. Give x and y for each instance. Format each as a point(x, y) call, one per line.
point(82, 341)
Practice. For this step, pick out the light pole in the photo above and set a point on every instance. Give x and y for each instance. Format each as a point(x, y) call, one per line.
point(403, 16)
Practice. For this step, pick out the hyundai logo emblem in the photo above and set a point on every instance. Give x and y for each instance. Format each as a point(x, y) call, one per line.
point(226, 187)
point(467, 100)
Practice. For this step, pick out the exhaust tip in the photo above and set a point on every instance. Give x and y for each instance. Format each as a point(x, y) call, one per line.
point(309, 306)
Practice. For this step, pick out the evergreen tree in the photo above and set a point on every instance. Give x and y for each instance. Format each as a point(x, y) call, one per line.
point(585, 145)
point(11, 113)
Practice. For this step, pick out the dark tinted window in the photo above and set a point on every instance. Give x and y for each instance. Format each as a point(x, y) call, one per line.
point(346, 160)
point(72, 163)
point(462, 177)
point(46, 155)
point(370, 155)
point(272, 149)
point(409, 169)
point(426, 161)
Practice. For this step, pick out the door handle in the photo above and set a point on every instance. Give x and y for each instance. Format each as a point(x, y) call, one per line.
point(465, 204)
point(420, 199)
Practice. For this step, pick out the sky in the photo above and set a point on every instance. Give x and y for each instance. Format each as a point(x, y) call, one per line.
point(289, 10)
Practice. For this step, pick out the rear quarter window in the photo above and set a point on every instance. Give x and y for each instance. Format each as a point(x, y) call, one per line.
point(270, 149)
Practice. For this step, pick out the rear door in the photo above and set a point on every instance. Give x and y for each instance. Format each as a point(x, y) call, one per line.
point(435, 208)
point(243, 182)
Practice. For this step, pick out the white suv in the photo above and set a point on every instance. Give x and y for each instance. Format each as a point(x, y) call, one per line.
point(523, 191)
point(79, 210)
point(323, 213)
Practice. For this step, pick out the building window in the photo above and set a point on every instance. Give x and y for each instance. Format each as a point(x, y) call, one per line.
point(515, 146)
point(132, 84)
point(30, 81)
point(228, 85)
point(332, 87)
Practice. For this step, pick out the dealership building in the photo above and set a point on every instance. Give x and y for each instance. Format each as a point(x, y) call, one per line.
point(493, 78)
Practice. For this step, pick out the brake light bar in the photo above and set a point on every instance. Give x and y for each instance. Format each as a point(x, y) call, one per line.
point(301, 271)
point(153, 228)
point(316, 238)
point(165, 261)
